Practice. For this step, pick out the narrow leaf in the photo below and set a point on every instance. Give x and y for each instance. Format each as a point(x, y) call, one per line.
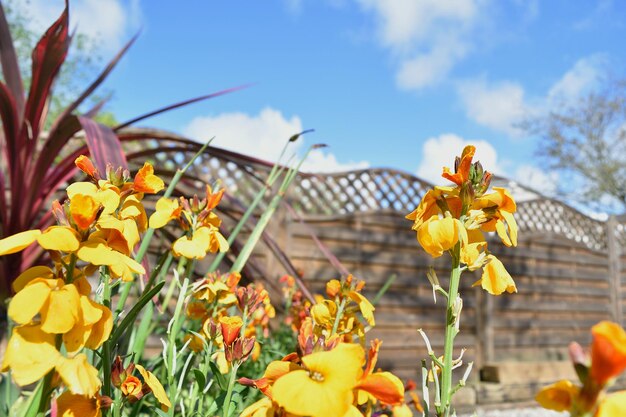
point(10, 64)
point(132, 314)
point(104, 146)
point(217, 375)
point(177, 105)
point(200, 379)
point(47, 57)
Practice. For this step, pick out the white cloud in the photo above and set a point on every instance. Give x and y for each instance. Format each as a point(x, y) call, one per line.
point(426, 37)
point(533, 177)
point(501, 105)
point(583, 75)
point(320, 161)
point(263, 136)
point(107, 21)
point(437, 151)
point(498, 106)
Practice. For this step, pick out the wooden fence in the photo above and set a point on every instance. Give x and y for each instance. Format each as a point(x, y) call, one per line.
point(567, 266)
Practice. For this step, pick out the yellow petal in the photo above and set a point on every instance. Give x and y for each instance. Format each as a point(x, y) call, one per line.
point(60, 313)
point(156, 387)
point(96, 252)
point(30, 274)
point(78, 375)
point(558, 396)
point(62, 238)
point(166, 210)
point(101, 329)
point(85, 188)
point(613, 405)
point(18, 242)
point(367, 309)
point(30, 354)
point(73, 405)
point(196, 247)
point(27, 303)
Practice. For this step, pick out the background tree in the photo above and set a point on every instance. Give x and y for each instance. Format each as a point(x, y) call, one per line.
point(584, 140)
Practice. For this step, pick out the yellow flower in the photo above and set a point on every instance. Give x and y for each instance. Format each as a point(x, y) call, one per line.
point(230, 326)
point(146, 182)
point(613, 405)
point(439, 235)
point(74, 405)
point(78, 375)
point(30, 354)
point(57, 302)
point(131, 386)
point(157, 389)
point(499, 207)
point(325, 387)
point(204, 239)
point(166, 209)
point(96, 252)
point(107, 195)
point(495, 279)
point(558, 396)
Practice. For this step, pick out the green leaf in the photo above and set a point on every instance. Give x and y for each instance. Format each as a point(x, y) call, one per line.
point(217, 375)
point(161, 412)
point(200, 378)
point(132, 314)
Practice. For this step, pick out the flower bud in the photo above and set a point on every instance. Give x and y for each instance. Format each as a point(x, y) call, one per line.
point(230, 326)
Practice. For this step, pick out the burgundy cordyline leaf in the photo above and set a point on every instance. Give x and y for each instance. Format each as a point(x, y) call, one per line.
point(104, 146)
point(47, 57)
point(10, 67)
point(177, 105)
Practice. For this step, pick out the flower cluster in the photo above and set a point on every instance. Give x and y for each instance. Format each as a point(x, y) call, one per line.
point(596, 373)
point(460, 215)
point(197, 220)
point(98, 226)
point(330, 374)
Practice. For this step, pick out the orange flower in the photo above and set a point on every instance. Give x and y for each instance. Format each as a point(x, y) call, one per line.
point(85, 165)
point(146, 182)
point(383, 386)
point(608, 351)
point(231, 326)
point(462, 167)
point(131, 387)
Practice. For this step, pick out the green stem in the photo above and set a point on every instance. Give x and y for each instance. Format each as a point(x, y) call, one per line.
point(106, 346)
point(451, 332)
point(342, 306)
point(229, 391)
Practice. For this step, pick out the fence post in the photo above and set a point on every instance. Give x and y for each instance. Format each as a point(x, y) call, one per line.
point(615, 279)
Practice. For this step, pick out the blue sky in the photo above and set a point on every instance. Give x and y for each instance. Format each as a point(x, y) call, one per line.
point(395, 83)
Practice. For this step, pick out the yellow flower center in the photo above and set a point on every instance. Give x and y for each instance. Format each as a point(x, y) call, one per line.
point(316, 376)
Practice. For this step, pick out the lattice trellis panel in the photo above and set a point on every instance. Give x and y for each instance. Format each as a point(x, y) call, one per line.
point(364, 190)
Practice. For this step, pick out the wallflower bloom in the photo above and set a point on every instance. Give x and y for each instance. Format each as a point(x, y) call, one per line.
point(325, 387)
point(608, 351)
point(439, 235)
point(559, 396)
point(382, 386)
point(146, 182)
point(462, 167)
point(495, 279)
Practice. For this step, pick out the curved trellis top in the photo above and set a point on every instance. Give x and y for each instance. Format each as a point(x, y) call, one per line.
point(367, 190)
